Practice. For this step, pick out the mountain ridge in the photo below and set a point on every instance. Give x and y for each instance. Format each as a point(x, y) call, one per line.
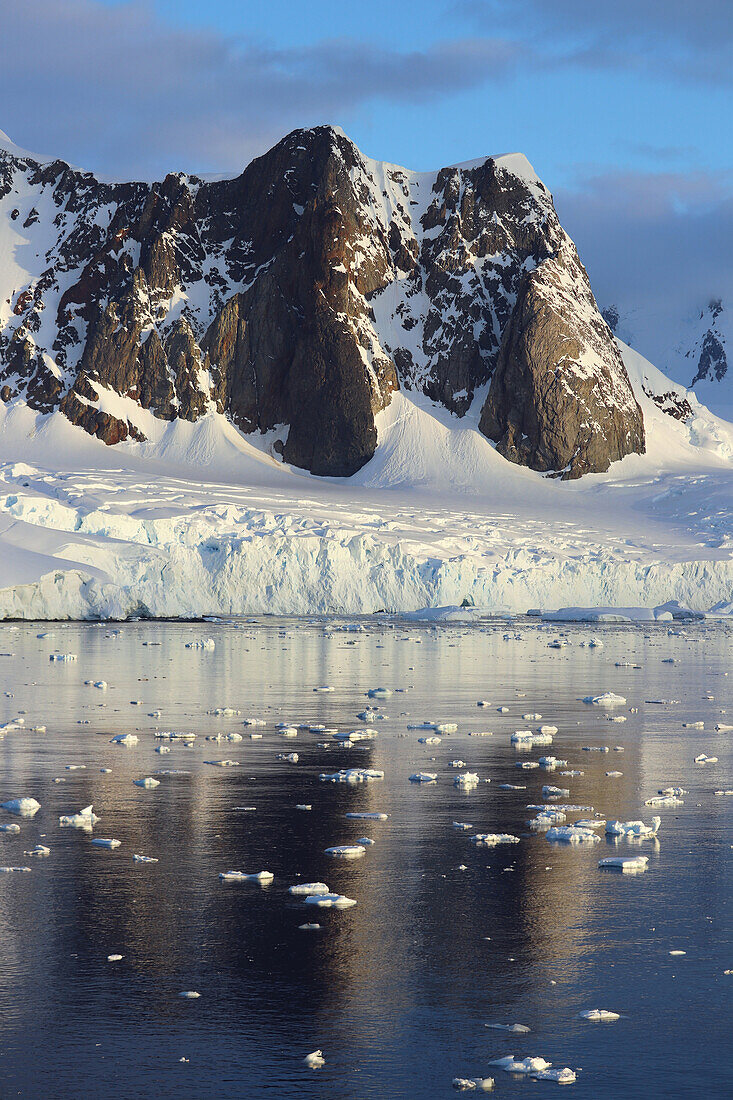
point(298, 296)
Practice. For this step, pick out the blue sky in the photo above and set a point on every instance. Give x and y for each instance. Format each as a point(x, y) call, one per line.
point(623, 107)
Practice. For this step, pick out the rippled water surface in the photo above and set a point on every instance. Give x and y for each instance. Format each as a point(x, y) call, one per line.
point(445, 937)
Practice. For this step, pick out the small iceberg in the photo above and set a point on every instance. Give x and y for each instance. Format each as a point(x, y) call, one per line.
point(608, 699)
point(599, 1015)
point(106, 842)
point(309, 889)
point(24, 807)
point(330, 901)
point(490, 840)
point(636, 829)
point(315, 1059)
point(628, 865)
point(572, 834)
point(149, 784)
point(84, 819)
point(424, 777)
point(346, 851)
point(126, 739)
point(263, 877)
point(475, 1084)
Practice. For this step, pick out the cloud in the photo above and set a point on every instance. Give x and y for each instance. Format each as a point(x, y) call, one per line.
point(680, 39)
point(114, 88)
point(658, 245)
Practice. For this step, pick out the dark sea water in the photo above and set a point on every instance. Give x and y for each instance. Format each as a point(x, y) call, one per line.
point(445, 937)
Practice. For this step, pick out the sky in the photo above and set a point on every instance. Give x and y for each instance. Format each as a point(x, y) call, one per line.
point(623, 107)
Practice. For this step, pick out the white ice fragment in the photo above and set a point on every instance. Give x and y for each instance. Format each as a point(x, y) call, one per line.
point(308, 889)
point(10, 870)
point(189, 994)
point(126, 739)
point(473, 1084)
point(84, 819)
point(599, 1015)
point(202, 643)
point(466, 781)
point(703, 759)
point(366, 815)
point(62, 656)
point(223, 763)
point(114, 958)
point(678, 952)
point(148, 783)
point(330, 901)
point(424, 777)
point(572, 834)
point(11, 828)
point(326, 689)
point(40, 851)
point(429, 740)
point(24, 807)
point(175, 735)
point(379, 693)
point(628, 865)
point(490, 840)
point(352, 775)
point(614, 775)
point(315, 1059)
point(608, 699)
point(346, 851)
point(263, 877)
point(144, 859)
point(514, 1029)
point(288, 757)
point(636, 829)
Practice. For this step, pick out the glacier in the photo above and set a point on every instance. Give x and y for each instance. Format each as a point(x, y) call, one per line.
point(202, 520)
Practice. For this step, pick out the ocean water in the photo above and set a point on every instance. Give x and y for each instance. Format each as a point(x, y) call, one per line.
point(445, 937)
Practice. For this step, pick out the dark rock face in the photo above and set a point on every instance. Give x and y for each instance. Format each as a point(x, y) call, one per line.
point(296, 298)
point(560, 400)
point(713, 361)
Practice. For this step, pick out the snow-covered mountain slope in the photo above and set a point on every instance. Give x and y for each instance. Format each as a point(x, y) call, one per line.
point(697, 352)
point(197, 521)
point(299, 296)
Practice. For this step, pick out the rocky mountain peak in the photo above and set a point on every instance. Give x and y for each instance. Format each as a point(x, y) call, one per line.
point(299, 295)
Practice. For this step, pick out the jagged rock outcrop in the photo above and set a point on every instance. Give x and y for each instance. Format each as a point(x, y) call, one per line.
point(297, 297)
point(560, 400)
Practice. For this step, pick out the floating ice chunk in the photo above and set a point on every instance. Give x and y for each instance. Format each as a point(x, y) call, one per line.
point(664, 800)
point(608, 699)
point(126, 739)
point(114, 958)
point(254, 722)
point(719, 793)
point(24, 807)
point(466, 781)
point(62, 656)
point(366, 815)
point(548, 791)
point(346, 851)
point(12, 828)
point(596, 748)
point(162, 749)
point(379, 693)
point(721, 728)
point(512, 786)
point(565, 1076)
point(223, 763)
point(9, 870)
point(308, 889)
point(330, 901)
point(514, 1029)
point(490, 840)
point(429, 740)
point(288, 731)
point(189, 994)
point(475, 1084)
point(703, 759)
point(635, 829)
point(526, 765)
point(144, 859)
point(521, 737)
point(590, 823)
point(614, 775)
point(263, 877)
point(305, 806)
point(40, 851)
point(549, 763)
point(352, 775)
point(456, 763)
point(572, 834)
point(225, 712)
point(678, 952)
point(148, 783)
point(628, 865)
point(326, 689)
point(288, 757)
point(526, 1065)
point(424, 777)
point(546, 818)
point(106, 842)
point(599, 1015)
point(202, 643)
point(531, 717)
point(309, 927)
point(462, 825)
point(446, 727)
point(483, 703)
point(175, 735)
point(315, 1059)
point(84, 819)
point(503, 710)
point(675, 792)
point(693, 725)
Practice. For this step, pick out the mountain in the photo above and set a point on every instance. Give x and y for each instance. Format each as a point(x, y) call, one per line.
point(298, 297)
point(695, 352)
